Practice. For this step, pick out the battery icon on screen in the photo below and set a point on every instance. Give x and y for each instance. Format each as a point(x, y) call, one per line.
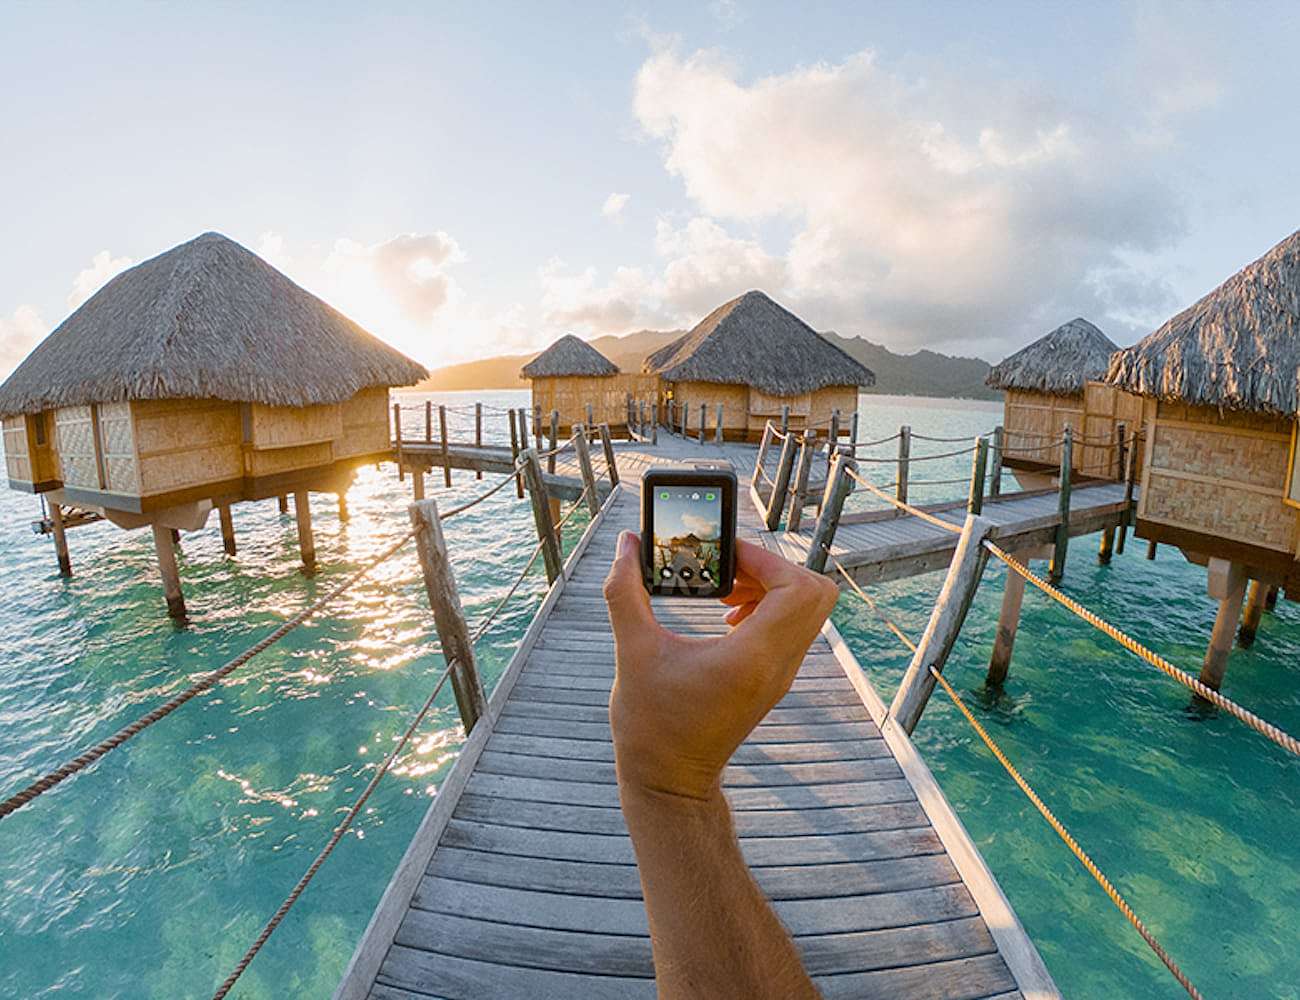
point(664, 495)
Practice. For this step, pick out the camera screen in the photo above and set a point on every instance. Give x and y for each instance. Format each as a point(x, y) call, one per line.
point(687, 539)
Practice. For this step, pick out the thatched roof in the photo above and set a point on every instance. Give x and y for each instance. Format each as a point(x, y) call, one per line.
point(569, 356)
point(1059, 363)
point(1237, 349)
point(205, 320)
point(753, 341)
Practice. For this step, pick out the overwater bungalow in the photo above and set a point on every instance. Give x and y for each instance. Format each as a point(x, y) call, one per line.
point(755, 358)
point(197, 380)
point(1220, 383)
point(1052, 384)
point(571, 375)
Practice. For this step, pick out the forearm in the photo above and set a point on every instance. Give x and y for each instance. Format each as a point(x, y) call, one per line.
point(714, 933)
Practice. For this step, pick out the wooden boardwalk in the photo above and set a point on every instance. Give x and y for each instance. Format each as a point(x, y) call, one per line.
point(521, 880)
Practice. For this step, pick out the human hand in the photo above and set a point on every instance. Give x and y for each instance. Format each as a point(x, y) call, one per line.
point(681, 705)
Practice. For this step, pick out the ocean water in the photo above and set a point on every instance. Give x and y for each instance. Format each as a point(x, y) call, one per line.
point(148, 875)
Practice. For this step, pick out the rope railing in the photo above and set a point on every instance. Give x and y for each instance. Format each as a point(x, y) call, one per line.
point(1067, 838)
point(871, 444)
point(88, 756)
point(1264, 728)
point(938, 482)
point(902, 504)
point(916, 436)
point(889, 460)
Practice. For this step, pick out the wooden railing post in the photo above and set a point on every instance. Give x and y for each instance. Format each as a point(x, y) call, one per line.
point(755, 481)
point(584, 466)
point(979, 463)
point(704, 419)
point(945, 623)
point(717, 428)
point(686, 417)
point(839, 484)
point(611, 465)
point(542, 515)
point(397, 437)
point(538, 435)
point(555, 438)
point(999, 440)
point(448, 615)
point(1129, 471)
point(785, 418)
point(853, 430)
point(446, 458)
point(514, 451)
point(904, 463)
point(834, 433)
point(672, 415)
point(654, 422)
point(781, 487)
point(428, 421)
point(1061, 544)
point(591, 419)
point(478, 435)
point(799, 491)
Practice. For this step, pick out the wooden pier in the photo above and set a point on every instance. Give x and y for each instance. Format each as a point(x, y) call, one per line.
point(521, 879)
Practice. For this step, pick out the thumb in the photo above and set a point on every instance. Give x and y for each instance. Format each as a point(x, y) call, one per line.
point(625, 593)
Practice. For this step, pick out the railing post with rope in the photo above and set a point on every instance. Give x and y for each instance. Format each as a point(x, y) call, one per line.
point(607, 446)
point(397, 438)
point(428, 421)
point(904, 463)
point(1127, 470)
point(554, 440)
point(446, 460)
point(785, 418)
point(975, 500)
point(686, 418)
point(945, 623)
point(834, 434)
point(478, 434)
point(995, 473)
point(799, 491)
point(853, 428)
point(704, 419)
point(839, 484)
point(448, 615)
point(1061, 544)
point(717, 428)
point(514, 449)
point(654, 422)
point(781, 485)
point(591, 417)
point(584, 466)
point(538, 437)
point(542, 515)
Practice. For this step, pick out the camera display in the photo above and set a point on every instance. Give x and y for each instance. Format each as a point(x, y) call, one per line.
point(688, 532)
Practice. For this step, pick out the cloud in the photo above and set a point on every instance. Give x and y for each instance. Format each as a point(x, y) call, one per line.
point(614, 205)
point(944, 210)
point(701, 527)
point(91, 279)
point(410, 269)
point(19, 333)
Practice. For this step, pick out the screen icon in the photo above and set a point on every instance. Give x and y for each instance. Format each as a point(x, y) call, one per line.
point(663, 495)
point(710, 496)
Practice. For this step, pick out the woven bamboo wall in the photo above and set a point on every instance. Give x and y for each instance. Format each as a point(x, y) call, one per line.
point(736, 419)
point(1221, 475)
point(117, 448)
point(1104, 408)
point(294, 426)
point(364, 424)
point(186, 443)
point(826, 401)
point(1034, 421)
point(607, 395)
point(75, 440)
point(18, 462)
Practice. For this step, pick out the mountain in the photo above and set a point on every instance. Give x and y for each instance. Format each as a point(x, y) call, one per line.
point(925, 373)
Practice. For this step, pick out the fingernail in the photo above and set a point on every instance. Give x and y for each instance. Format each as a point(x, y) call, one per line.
point(626, 544)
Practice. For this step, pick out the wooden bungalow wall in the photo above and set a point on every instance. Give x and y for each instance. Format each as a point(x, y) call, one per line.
point(607, 394)
point(745, 410)
point(1034, 421)
point(1218, 476)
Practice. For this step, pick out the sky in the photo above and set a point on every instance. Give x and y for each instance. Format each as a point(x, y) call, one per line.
point(467, 180)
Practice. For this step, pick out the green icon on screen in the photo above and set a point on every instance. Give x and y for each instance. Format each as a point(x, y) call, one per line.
point(663, 496)
point(708, 496)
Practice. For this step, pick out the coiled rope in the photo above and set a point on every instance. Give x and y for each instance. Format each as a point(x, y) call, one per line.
point(87, 757)
point(1261, 726)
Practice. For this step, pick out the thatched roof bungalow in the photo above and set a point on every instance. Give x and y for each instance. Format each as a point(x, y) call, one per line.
point(198, 378)
point(1220, 383)
point(570, 377)
point(754, 358)
point(1052, 384)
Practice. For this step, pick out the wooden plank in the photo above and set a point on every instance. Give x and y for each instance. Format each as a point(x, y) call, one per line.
point(767, 775)
point(747, 753)
point(511, 722)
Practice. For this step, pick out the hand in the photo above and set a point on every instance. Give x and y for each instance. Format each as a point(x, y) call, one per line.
point(680, 705)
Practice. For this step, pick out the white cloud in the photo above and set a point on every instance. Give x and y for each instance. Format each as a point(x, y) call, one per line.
point(614, 205)
point(945, 210)
point(19, 333)
point(92, 278)
point(701, 527)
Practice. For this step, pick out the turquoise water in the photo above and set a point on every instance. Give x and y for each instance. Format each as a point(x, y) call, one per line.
point(148, 875)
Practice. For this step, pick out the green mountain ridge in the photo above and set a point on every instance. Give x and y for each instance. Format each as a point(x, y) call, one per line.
point(924, 373)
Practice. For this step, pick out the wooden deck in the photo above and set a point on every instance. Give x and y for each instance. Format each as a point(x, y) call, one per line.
point(521, 880)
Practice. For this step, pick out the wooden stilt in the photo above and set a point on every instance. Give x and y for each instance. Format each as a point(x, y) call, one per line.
point(306, 541)
point(1013, 594)
point(165, 546)
point(227, 528)
point(1254, 612)
point(284, 503)
point(945, 622)
point(1270, 602)
point(1107, 544)
point(60, 540)
point(417, 484)
point(344, 514)
point(1151, 550)
point(448, 615)
point(1227, 584)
